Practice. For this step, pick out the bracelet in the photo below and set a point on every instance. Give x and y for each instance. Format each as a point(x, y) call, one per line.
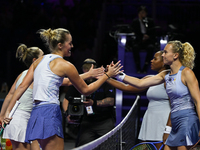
point(120, 76)
point(107, 75)
point(168, 129)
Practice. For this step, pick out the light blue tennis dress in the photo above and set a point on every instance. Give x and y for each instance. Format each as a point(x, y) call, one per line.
point(184, 119)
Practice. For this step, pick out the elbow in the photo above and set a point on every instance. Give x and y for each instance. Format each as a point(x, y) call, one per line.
point(85, 92)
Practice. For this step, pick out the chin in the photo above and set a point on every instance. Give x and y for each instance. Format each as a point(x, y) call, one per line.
point(68, 55)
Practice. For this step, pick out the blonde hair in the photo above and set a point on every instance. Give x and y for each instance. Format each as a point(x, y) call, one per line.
point(186, 53)
point(88, 63)
point(53, 37)
point(26, 54)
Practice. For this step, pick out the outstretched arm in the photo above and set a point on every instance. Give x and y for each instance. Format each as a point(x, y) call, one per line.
point(92, 73)
point(125, 87)
point(81, 86)
point(144, 83)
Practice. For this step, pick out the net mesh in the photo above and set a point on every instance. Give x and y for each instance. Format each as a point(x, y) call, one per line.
point(123, 136)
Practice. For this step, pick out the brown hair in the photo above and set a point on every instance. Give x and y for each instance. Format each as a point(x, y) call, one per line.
point(26, 54)
point(88, 63)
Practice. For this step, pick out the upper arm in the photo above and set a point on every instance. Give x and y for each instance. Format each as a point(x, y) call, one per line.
point(75, 79)
point(9, 97)
point(28, 79)
point(190, 80)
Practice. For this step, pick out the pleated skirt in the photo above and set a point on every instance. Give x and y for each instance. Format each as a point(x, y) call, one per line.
point(16, 129)
point(45, 121)
point(185, 128)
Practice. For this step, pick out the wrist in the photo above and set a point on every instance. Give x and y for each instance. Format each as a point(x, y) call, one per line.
point(121, 76)
point(168, 129)
point(107, 75)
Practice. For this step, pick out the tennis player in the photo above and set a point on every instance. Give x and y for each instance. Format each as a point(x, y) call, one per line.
point(183, 91)
point(48, 72)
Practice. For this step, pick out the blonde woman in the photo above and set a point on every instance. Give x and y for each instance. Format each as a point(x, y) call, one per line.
point(48, 72)
point(183, 91)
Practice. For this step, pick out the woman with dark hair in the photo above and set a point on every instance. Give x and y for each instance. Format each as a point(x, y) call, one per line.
point(157, 113)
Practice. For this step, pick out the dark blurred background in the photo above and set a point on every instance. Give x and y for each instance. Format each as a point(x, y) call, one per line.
point(91, 23)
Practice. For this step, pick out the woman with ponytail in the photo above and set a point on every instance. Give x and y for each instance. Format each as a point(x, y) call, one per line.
point(16, 129)
point(48, 73)
point(183, 90)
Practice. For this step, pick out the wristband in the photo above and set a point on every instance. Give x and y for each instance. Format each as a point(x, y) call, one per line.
point(168, 129)
point(121, 76)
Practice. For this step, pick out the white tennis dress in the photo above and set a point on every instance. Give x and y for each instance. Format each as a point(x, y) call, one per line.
point(156, 115)
point(16, 129)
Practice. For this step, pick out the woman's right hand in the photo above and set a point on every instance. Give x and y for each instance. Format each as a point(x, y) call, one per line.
point(6, 119)
point(95, 72)
point(1, 120)
point(114, 69)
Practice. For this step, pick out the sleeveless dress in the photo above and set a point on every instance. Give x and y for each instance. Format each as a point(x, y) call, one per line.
point(156, 115)
point(16, 129)
point(184, 119)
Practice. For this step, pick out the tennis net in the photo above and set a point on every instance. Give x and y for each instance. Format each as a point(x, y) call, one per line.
point(122, 137)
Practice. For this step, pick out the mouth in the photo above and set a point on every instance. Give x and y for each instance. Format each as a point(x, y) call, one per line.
point(151, 65)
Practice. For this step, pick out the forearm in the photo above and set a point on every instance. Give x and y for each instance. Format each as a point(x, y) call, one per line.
point(16, 96)
point(198, 110)
point(65, 104)
point(85, 75)
point(124, 87)
point(91, 88)
point(169, 121)
point(138, 83)
point(145, 82)
point(108, 101)
point(67, 82)
point(5, 104)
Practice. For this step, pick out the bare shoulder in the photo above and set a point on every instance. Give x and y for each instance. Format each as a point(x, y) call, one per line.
point(187, 73)
point(187, 70)
point(188, 76)
point(63, 67)
point(35, 63)
point(164, 73)
point(64, 63)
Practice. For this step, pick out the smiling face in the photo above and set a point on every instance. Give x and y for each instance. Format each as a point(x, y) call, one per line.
point(67, 45)
point(157, 62)
point(169, 56)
